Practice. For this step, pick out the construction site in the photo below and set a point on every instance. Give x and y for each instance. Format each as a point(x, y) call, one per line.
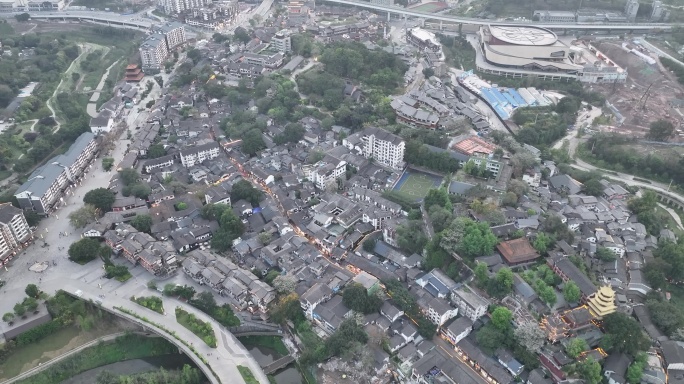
point(650, 93)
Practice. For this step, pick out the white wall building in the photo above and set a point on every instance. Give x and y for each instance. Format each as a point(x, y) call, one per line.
point(282, 41)
point(469, 303)
point(631, 9)
point(384, 147)
point(325, 173)
point(14, 231)
point(44, 188)
point(196, 155)
point(153, 53)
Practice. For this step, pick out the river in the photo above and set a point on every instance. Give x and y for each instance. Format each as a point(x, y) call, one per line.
point(132, 367)
point(264, 356)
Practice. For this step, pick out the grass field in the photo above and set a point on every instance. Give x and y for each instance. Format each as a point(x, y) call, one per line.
point(430, 7)
point(416, 185)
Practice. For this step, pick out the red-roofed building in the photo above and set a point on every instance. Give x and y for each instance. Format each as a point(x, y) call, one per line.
point(517, 251)
point(474, 145)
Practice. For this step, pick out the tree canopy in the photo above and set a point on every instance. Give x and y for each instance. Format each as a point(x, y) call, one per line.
point(356, 297)
point(660, 130)
point(100, 198)
point(87, 249)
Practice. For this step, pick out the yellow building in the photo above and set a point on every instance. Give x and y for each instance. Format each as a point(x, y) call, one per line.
point(602, 302)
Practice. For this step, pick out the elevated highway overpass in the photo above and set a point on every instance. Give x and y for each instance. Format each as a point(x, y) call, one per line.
point(127, 21)
point(621, 27)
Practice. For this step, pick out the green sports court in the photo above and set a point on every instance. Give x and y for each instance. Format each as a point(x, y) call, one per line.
point(415, 185)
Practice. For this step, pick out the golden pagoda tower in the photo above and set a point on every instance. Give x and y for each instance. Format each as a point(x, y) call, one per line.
point(602, 302)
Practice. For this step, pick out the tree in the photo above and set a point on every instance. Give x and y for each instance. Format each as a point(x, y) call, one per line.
point(8, 317)
point(410, 236)
point(87, 249)
point(636, 369)
point(593, 187)
point(107, 163)
point(543, 242)
point(575, 347)
point(647, 202)
point(660, 130)
point(590, 370)
point(571, 292)
point(530, 336)
point(510, 199)
point(666, 316)
point(243, 189)
point(100, 198)
point(107, 377)
point(501, 318)
point(605, 254)
point(522, 161)
point(19, 309)
point(30, 304)
point(436, 196)
point(468, 238)
point(285, 283)
point(142, 223)
point(22, 17)
point(356, 297)
point(369, 244)
point(129, 176)
point(623, 334)
point(83, 216)
point(481, 274)
point(428, 72)
point(490, 338)
point(32, 291)
point(264, 238)
point(546, 293)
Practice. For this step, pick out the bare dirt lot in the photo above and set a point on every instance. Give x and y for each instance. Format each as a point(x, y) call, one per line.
point(647, 94)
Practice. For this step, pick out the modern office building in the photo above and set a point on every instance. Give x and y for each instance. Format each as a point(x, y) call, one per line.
point(46, 185)
point(171, 7)
point(423, 39)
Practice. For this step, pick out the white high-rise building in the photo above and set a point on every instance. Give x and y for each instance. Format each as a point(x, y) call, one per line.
point(631, 9)
point(384, 147)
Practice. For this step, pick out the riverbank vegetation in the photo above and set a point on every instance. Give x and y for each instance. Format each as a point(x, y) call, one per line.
point(122, 348)
point(202, 329)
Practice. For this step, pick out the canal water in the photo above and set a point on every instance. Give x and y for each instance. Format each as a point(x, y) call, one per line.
point(265, 356)
point(132, 367)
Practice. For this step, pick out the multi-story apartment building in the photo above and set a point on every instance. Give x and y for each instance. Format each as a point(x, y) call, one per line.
point(282, 41)
point(196, 155)
point(384, 147)
point(174, 34)
point(14, 232)
point(153, 52)
point(324, 174)
point(45, 186)
point(214, 17)
point(469, 303)
point(631, 9)
point(157, 47)
point(171, 7)
point(272, 62)
point(458, 330)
